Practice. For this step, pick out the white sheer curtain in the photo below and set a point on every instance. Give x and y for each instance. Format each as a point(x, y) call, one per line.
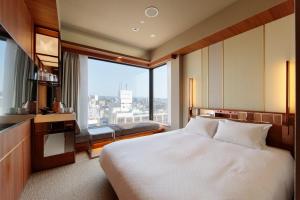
point(83, 99)
point(9, 84)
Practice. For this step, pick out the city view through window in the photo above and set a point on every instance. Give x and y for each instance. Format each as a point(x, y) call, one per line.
point(119, 94)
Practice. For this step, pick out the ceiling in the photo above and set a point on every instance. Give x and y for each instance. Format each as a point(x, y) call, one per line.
point(114, 19)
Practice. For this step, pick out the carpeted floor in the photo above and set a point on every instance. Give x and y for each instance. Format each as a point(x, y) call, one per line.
point(83, 180)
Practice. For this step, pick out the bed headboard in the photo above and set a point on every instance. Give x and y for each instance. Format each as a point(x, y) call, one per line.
point(281, 134)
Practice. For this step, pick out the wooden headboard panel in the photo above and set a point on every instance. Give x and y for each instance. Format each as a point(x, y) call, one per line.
point(281, 134)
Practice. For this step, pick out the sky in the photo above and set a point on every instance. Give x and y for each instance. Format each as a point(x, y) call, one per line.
point(106, 78)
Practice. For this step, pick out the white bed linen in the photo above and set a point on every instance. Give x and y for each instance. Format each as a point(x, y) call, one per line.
point(184, 166)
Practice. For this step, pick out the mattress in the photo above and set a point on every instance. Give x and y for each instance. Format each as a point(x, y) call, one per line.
point(179, 165)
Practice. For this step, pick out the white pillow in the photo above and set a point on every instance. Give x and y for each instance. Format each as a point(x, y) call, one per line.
point(202, 126)
point(245, 134)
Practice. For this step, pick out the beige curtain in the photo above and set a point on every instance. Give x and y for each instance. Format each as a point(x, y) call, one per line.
point(83, 100)
point(24, 70)
point(70, 80)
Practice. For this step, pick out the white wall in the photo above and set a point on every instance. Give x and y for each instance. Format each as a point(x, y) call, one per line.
point(204, 78)
point(191, 67)
point(246, 71)
point(102, 43)
point(280, 46)
point(174, 93)
point(215, 75)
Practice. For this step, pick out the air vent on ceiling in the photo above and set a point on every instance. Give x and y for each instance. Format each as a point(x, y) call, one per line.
point(151, 11)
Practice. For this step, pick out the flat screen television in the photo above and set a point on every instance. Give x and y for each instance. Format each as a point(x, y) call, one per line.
point(18, 79)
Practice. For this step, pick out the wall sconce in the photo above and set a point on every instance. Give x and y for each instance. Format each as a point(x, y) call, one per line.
point(287, 104)
point(191, 92)
point(47, 46)
point(290, 97)
point(191, 96)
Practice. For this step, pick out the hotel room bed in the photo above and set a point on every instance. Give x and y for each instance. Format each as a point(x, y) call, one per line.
point(182, 165)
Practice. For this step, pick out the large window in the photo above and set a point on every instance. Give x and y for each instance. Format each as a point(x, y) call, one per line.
point(118, 93)
point(160, 93)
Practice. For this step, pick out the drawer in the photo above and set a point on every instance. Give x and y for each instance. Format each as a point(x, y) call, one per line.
point(69, 125)
point(40, 127)
point(54, 126)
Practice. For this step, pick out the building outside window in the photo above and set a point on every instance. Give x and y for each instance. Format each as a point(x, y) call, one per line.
point(160, 93)
point(118, 94)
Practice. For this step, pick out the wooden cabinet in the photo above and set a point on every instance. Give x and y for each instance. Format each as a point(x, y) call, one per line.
point(16, 19)
point(15, 160)
point(53, 144)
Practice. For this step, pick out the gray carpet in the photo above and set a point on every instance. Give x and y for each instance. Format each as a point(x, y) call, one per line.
point(83, 180)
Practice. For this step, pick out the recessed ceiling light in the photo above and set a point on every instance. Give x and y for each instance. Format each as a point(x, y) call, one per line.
point(142, 22)
point(152, 35)
point(151, 11)
point(135, 29)
point(120, 57)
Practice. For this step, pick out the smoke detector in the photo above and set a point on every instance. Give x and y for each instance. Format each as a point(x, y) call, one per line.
point(151, 11)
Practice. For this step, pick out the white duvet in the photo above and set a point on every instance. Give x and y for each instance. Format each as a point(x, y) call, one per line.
point(183, 166)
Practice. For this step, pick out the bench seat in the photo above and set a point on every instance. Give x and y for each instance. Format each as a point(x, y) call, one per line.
point(100, 136)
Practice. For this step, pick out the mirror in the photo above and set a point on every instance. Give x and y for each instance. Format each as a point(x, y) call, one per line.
point(18, 80)
point(58, 143)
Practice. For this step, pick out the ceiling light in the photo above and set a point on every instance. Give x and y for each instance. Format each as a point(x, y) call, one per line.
point(152, 35)
point(119, 57)
point(50, 64)
point(142, 22)
point(46, 45)
point(151, 11)
point(47, 58)
point(135, 29)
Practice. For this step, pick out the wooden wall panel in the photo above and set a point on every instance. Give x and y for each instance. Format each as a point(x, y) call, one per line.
point(42, 91)
point(1, 10)
point(16, 19)
point(15, 160)
point(297, 131)
point(44, 13)
point(26, 145)
point(11, 178)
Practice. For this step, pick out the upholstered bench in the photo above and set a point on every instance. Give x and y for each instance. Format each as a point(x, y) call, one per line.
point(133, 128)
point(82, 140)
point(101, 133)
point(100, 136)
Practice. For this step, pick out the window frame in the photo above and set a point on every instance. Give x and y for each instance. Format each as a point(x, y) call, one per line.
point(151, 90)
